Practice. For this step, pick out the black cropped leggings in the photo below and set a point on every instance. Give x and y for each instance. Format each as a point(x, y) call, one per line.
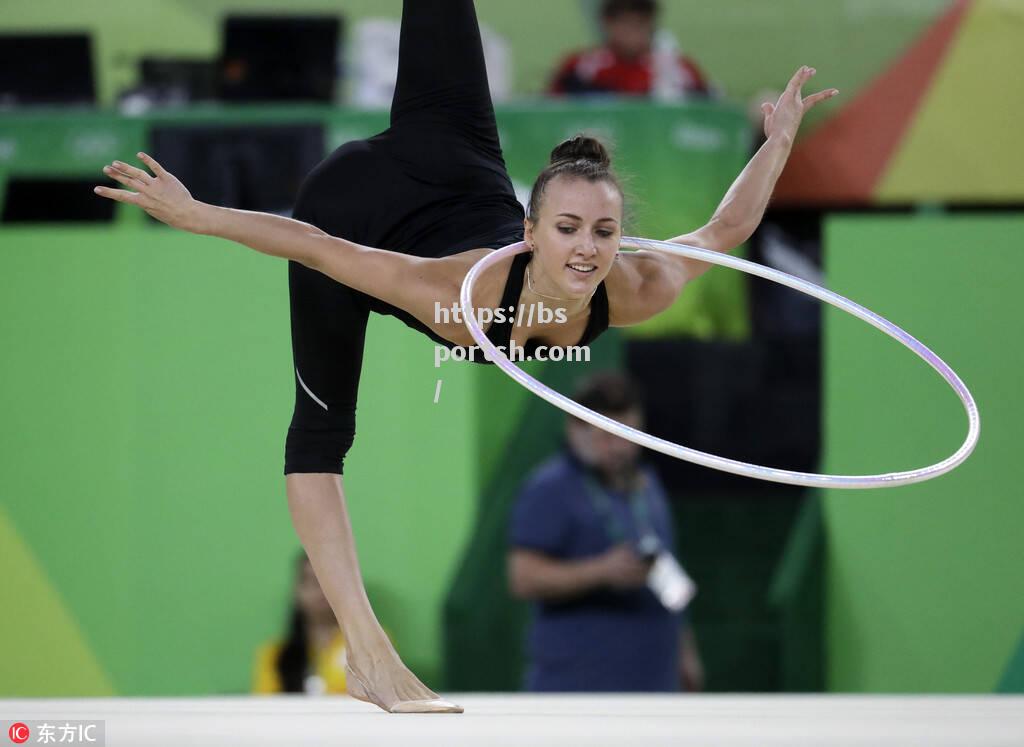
point(433, 184)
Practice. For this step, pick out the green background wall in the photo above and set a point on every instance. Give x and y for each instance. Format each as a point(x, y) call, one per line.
point(924, 581)
point(147, 389)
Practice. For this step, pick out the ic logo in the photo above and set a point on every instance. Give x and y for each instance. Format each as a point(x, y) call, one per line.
point(19, 733)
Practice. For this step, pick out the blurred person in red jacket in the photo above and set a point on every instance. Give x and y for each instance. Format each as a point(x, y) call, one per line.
point(633, 60)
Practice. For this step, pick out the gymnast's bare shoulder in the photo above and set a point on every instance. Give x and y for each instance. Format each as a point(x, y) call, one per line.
point(640, 285)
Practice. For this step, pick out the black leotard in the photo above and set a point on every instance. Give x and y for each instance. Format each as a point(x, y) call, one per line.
point(501, 334)
point(433, 184)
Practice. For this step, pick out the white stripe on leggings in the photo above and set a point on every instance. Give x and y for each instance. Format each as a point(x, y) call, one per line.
point(315, 398)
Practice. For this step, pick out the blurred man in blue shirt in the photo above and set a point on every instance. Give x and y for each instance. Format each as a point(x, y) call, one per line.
point(582, 536)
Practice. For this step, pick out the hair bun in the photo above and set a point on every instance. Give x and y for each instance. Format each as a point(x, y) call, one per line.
point(582, 148)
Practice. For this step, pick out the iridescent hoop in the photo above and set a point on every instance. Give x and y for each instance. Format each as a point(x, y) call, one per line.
point(890, 479)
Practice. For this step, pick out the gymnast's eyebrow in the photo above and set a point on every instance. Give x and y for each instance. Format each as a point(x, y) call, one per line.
point(576, 217)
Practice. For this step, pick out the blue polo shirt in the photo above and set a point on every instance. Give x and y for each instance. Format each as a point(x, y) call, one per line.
point(606, 640)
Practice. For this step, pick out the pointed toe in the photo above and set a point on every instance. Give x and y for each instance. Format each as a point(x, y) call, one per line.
point(437, 705)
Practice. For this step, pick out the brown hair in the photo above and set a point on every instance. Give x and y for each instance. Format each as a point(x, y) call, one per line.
point(609, 393)
point(613, 8)
point(582, 157)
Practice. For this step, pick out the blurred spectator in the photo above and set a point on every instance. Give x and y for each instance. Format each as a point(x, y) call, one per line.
point(582, 537)
point(632, 59)
point(311, 658)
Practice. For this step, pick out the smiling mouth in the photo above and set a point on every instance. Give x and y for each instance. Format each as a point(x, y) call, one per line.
point(582, 268)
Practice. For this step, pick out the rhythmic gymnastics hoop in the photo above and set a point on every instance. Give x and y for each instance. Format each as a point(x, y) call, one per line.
point(810, 479)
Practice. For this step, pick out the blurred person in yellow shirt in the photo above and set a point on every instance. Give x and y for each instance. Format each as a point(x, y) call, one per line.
point(311, 657)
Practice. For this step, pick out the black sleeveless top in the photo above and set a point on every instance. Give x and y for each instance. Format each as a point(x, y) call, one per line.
point(501, 334)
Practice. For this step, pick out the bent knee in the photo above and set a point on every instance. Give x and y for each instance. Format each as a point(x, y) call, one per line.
point(317, 450)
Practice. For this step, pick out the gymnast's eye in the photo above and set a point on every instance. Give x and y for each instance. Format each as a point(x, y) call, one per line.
point(605, 234)
point(566, 229)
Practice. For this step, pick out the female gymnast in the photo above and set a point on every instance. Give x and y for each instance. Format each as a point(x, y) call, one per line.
point(393, 223)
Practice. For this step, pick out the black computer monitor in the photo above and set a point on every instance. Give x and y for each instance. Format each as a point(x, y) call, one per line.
point(279, 58)
point(251, 167)
point(55, 199)
point(39, 69)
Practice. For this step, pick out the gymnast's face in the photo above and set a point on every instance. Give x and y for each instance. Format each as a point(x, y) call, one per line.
point(576, 236)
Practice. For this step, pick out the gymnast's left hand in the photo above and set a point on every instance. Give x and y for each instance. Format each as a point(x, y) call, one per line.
point(160, 194)
point(782, 119)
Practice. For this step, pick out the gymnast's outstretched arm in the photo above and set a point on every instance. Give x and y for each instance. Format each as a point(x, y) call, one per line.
point(658, 277)
point(743, 206)
point(408, 282)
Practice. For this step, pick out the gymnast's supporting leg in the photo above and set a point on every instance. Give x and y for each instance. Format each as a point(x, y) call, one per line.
point(376, 673)
point(328, 327)
point(328, 323)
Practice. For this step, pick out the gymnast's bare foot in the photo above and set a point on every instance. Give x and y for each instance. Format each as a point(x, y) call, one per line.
point(382, 679)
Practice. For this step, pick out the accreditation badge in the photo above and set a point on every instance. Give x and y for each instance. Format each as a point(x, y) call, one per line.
point(670, 583)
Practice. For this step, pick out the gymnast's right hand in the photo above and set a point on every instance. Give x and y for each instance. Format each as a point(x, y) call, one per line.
point(160, 194)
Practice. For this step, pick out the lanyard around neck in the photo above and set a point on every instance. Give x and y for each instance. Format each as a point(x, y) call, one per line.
point(638, 504)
